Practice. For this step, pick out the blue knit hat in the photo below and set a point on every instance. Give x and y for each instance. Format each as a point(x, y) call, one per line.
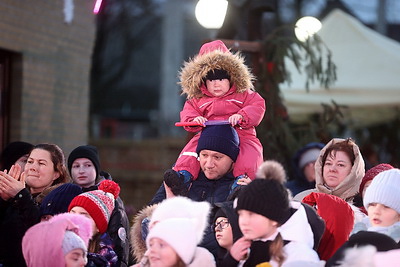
point(220, 138)
point(58, 200)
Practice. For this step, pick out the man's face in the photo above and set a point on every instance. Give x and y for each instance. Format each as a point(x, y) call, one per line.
point(214, 164)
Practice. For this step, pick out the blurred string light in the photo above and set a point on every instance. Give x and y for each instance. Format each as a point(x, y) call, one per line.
point(306, 27)
point(97, 6)
point(211, 13)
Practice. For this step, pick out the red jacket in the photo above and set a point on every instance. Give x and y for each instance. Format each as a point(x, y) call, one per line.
point(249, 104)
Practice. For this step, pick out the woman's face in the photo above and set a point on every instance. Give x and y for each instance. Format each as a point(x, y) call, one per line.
point(39, 170)
point(336, 168)
point(161, 254)
point(255, 226)
point(223, 232)
point(84, 212)
point(83, 172)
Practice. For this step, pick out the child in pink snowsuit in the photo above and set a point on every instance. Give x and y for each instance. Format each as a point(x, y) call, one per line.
point(219, 86)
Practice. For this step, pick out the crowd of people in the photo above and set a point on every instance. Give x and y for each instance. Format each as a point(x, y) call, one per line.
point(219, 205)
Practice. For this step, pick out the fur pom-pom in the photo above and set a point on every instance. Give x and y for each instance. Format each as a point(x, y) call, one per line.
point(271, 169)
point(110, 187)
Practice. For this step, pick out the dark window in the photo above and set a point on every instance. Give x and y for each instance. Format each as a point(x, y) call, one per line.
point(5, 80)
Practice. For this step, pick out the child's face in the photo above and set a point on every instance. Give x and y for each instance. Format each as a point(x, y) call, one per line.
point(83, 172)
point(82, 211)
point(218, 87)
point(75, 258)
point(223, 232)
point(161, 254)
point(381, 215)
point(255, 226)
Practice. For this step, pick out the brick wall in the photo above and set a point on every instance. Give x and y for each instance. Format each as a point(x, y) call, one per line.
point(50, 89)
point(138, 167)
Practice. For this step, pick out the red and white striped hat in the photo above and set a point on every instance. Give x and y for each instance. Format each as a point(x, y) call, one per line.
point(98, 203)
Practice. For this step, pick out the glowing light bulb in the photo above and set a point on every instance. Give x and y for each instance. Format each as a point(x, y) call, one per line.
point(211, 13)
point(306, 27)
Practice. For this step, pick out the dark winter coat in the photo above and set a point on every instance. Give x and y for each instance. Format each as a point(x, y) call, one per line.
point(17, 215)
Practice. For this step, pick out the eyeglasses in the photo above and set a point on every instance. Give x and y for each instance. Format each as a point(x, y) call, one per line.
point(220, 225)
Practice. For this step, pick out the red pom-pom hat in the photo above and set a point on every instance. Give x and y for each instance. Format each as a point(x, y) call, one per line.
point(98, 203)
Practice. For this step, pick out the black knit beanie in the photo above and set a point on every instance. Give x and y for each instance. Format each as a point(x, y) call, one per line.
point(217, 74)
point(87, 151)
point(220, 138)
point(12, 152)
point(266, 197)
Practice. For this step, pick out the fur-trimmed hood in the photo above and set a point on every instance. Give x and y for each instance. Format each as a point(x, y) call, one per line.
point(138, 242)
point(214, 55)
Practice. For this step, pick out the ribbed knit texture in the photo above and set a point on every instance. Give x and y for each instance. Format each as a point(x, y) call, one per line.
point(384, 189)
point(268, 198)
point(220, 138)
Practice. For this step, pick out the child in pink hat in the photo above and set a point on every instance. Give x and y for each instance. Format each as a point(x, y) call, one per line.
point(61, 241)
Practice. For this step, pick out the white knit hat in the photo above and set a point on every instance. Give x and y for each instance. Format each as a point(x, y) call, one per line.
point(179, 233)
point(183, 207)
point(384, 189)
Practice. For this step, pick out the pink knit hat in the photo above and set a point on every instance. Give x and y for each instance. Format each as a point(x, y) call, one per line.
point(46, 240)
point(98, 203)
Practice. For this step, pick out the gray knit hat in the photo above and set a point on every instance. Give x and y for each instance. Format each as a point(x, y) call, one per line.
point(384, 189)
point(72, 241)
